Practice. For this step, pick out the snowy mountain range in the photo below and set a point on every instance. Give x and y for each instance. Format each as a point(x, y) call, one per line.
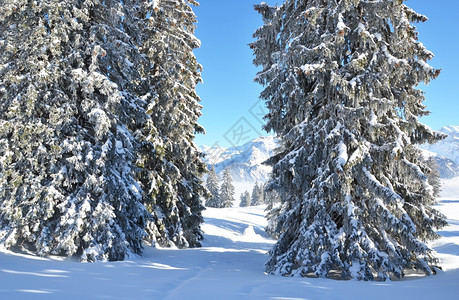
point(447, 167)
point(445, 152)
point(448, 147)
point(245, 162)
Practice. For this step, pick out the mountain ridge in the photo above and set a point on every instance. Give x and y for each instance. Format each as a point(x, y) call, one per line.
point(245, 162)
point(449, 147)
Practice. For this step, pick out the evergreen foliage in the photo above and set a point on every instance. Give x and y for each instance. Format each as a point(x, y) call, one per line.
point(274, 208)
point(83, 150)
point(340, 83)
point(172, 163)
point(433, 175)
point(226, 190)
point(257, 195)
point(271, 197)
point(245, 199)
point(213, 187)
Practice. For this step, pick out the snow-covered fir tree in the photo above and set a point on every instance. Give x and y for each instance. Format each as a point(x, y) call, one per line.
point(340, 83)
point(77, 95)
point(226, 190)
point(257, 195)
point(172, 165)
point(213, 187)
point(245, 199)
point(66, 183)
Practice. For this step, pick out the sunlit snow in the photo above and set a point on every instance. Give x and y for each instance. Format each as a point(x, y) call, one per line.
point(230, 265)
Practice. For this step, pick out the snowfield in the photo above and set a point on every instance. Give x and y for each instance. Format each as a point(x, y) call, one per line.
point(230, 265)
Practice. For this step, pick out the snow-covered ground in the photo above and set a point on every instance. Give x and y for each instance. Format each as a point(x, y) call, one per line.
point(228, 266)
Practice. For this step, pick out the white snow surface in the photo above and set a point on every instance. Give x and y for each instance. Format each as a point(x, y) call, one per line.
point(230, 265)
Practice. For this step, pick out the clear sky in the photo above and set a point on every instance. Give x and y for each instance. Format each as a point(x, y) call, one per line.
point(231, 108)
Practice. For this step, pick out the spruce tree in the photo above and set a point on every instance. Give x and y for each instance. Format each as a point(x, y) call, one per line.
point(212, 186)
point(83, 152)
point(257, 195)
point(172, 163)
point(226, 190)
point(67, 184)
point(340, 83)
point(245, 199)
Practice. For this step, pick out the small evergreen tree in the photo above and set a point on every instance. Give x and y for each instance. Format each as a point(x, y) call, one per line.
point(245, 199)
point(340, 84)
point(212, 186)
point(226, 190)
point(257, 195)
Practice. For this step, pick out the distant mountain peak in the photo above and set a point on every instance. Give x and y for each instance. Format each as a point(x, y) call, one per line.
point(449, 147)
point(244, 162)
point(450, 129)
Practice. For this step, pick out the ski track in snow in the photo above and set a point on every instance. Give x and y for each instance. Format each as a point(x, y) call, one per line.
point(230, 265)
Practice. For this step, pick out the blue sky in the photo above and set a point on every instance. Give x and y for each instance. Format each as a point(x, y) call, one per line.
point(231, 108)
